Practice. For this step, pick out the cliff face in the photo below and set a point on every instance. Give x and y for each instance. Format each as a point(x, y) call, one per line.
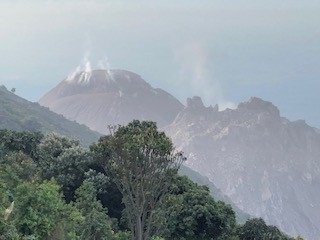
point(267, 165)
point(102, 97)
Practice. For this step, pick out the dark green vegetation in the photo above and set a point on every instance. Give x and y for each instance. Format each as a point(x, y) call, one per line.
point(143, 164)
point(21, 115)
point(196, 177)
point(52, 188)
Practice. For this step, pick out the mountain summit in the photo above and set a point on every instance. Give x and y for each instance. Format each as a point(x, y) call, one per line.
point(98, 98)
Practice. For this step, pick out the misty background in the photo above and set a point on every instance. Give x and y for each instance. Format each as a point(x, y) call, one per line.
point(223, 51)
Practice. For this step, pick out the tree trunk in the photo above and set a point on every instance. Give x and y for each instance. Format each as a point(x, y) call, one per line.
point(148, 226)
point(139, 230)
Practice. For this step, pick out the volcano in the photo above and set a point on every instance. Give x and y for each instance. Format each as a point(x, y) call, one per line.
point(99, 98)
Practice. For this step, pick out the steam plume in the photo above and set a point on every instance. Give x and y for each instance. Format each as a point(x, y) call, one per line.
point(84, 70)
point(197, 76)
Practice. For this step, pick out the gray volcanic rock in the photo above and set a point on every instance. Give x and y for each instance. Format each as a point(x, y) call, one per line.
point(267, 165)
point(102, 97)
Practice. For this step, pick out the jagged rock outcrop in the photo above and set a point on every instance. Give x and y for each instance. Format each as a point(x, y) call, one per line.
point(267, 165)
point(100, 98)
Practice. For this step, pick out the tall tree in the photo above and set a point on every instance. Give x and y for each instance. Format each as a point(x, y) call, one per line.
point(143, 161)
point(189, 212)
point(65, 160)
point(257, 229)
point(96, 225)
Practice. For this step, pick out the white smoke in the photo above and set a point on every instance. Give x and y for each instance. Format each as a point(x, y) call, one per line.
point(87, 66)
point(73, 74)
point(105, 65)
point(83, 71)
point(196, 75)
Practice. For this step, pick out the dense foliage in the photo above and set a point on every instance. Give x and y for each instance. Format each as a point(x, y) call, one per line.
point(52, 188)
point(142, 162)
point(189, 212)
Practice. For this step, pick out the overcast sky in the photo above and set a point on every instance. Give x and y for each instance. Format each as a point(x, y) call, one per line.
point(223, 51)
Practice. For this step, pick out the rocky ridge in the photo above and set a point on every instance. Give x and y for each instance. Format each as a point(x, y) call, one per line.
point(267, 165)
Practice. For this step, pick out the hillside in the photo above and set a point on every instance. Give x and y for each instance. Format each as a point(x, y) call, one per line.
point(19, 114)
point(196, 177)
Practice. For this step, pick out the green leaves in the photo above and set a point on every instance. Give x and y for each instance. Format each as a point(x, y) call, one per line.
point(20, 141)
point(189, 212)
point(40, 210)
point(15, 168)
point(145, 135)
point(257, 229)
point(64, 160)
point(136, 165)
point(96, 224)
point(142, 161)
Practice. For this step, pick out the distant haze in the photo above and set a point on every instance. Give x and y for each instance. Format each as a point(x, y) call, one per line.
point(223, 51)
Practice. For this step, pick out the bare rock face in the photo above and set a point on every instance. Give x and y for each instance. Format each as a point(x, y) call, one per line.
point(109, 97)
point(267, 165)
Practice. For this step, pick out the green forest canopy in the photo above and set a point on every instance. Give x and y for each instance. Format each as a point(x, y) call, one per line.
point(52, 188)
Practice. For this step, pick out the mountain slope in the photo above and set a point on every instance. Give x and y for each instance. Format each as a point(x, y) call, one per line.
point(196, 177)
point(102, 97)
point(19, 114)
point(267, 165)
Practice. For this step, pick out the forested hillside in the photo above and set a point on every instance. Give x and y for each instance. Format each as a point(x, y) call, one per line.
point(19, 114)
point(124, 187)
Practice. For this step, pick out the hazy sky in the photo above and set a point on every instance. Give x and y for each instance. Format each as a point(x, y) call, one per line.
point(223, 51)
